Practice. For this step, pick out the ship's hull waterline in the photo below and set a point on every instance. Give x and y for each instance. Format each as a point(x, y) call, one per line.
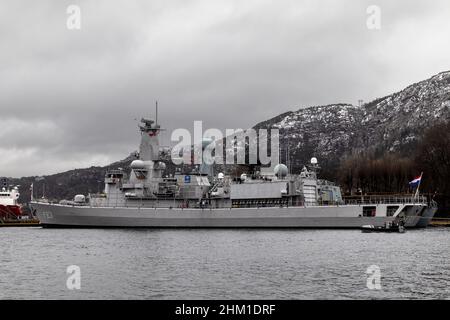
point(347, 216)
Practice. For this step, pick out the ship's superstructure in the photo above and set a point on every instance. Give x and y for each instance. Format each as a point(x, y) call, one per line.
point(11, 212)
point(145, 197)
point(9, 196)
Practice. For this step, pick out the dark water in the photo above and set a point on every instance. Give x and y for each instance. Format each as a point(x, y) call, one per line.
point(223, 264)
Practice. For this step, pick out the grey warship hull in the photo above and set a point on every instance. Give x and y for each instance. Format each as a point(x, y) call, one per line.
point(148, 198)
point(346, 216)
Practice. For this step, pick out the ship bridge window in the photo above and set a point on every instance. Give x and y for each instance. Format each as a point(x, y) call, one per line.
point(390, 211)
point(369, 211)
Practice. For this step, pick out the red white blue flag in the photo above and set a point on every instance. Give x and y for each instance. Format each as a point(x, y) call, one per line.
point(415, 182)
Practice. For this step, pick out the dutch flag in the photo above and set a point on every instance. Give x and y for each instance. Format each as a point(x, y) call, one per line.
point(415, 182)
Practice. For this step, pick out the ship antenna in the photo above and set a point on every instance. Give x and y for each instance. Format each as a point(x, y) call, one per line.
point(156, 116)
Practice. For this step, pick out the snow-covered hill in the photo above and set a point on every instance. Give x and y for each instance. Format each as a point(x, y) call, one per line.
point(392, 123)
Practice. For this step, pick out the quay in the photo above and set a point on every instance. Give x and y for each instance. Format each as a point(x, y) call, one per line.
point(440, 222)
point(18, 223)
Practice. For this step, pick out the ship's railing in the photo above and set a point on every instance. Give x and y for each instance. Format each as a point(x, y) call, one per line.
point(386, 200)
point(115, 200)
point(114, 171)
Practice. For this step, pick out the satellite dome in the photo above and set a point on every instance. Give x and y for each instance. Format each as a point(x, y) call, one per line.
point(314, 160)
point(79, 198)
point(137, 164)
point(220, 176)
point(280, 170)
point(243, 176)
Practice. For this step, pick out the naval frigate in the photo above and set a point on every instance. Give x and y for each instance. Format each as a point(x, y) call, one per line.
point(145, 197)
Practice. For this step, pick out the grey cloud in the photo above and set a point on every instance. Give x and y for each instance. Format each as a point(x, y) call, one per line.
point(69, 98)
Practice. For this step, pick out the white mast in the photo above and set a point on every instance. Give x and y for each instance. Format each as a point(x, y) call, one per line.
point(156, 113)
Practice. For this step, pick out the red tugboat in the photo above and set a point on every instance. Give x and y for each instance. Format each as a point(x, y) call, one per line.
point(11, 213)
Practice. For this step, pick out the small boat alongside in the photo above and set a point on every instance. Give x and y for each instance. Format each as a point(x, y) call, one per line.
point(397, 226)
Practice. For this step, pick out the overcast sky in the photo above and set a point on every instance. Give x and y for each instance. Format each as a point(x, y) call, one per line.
point(68, 98)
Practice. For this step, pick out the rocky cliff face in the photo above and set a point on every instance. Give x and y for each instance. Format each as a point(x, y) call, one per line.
point(393, 123)
point(326, 132)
